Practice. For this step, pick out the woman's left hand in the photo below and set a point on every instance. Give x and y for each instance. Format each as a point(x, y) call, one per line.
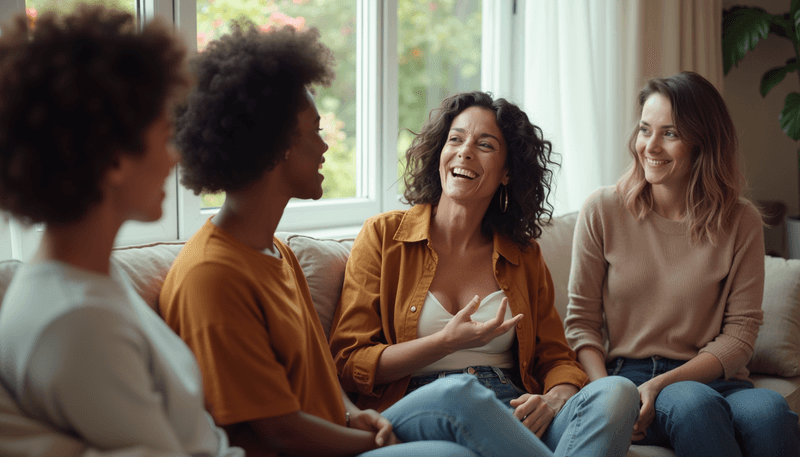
point(537, 411)
point(648, 392)
point(369, 420)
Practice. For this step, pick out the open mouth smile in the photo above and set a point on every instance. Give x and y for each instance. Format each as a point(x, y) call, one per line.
point(463, 173)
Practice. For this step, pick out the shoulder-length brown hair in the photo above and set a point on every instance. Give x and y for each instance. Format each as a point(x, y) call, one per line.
point(703, 122)
point(528, 161)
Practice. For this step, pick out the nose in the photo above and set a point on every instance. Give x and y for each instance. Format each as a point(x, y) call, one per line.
point(653, 145)
point(465, 151)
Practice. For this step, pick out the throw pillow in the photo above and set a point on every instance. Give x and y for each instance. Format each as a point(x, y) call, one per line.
point(777, 349)
point(323, 263)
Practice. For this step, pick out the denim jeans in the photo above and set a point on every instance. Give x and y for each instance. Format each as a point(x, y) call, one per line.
point(595, 422)
point(723, 417)
point(457, 416)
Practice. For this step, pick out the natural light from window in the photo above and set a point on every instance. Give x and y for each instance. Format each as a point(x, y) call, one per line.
point(439, 54)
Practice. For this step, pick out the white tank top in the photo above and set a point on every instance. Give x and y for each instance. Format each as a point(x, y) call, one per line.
point(497, 352)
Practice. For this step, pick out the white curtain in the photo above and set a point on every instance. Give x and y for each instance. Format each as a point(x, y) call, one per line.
point(584, 61)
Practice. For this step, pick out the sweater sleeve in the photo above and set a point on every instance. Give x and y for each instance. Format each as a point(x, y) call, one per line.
point(744, 288)
point(357, 339)
point(584, 322)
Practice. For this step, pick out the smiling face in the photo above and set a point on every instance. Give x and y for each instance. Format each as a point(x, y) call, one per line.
point(663, 155)
point(472, 161)
point(302, 166)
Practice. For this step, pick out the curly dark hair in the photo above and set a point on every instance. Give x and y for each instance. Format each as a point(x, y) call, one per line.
point(242, 115)
point(75, 92)
point(527, 160)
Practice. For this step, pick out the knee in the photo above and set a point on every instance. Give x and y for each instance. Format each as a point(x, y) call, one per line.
point(619, 396)
point(692, 400)
point(763, 411)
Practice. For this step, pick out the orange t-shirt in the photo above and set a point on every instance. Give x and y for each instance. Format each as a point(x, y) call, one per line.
point(249, 319)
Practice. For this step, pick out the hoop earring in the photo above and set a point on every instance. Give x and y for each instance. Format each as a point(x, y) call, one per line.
point(504, 199)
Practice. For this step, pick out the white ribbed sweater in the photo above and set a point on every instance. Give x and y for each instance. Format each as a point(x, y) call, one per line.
point(657, 293)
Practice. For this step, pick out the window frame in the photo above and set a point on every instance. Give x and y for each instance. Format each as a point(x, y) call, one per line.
point(377, 125)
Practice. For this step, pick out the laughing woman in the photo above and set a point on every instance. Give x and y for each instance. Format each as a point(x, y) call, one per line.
point(669, 265)
point(457, 284)
point(85, 131)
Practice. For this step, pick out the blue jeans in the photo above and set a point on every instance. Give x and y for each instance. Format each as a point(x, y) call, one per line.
point(459, 410)
point(726, 418)
point(597, 421)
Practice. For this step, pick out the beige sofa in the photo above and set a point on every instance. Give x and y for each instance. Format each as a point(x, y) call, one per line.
point(776, 363)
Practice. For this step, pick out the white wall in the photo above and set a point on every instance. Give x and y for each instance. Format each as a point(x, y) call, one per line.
point(770, 156)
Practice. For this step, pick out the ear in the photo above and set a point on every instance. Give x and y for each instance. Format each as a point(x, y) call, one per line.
point(116, 173)
point(506, 178)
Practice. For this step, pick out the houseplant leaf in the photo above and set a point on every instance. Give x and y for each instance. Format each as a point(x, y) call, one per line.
point(743, 28)
point(775, 75)
point(790, 116)
point(794, 15)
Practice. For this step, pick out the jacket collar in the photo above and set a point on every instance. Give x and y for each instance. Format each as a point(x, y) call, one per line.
point(416, 224)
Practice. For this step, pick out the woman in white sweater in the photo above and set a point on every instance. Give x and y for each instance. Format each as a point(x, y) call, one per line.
point(85, 145)
point(667, 279)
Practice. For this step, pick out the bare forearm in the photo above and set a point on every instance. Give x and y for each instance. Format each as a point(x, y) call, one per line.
point(593, 362)
point(402, 359)
point(702, 368)
point(303, 434)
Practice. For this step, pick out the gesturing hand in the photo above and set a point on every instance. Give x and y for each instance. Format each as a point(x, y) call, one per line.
point(464, 333)
point(369, 420)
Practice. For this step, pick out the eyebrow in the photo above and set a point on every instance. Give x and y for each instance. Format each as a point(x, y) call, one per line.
point(668, 126)
point(482, 135)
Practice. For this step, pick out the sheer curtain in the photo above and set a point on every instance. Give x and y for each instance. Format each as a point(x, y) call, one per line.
point(584, 62)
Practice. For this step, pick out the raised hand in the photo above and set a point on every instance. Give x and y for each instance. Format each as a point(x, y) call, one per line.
point(464, 333)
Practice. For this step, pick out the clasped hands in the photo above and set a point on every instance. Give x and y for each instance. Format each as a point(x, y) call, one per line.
point(371, 421)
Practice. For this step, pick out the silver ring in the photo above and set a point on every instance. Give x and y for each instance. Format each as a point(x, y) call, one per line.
point(524, 417)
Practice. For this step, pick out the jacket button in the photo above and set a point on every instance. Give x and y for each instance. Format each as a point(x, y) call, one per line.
point(471, 370)
point(524, 364)
point(519, 324)
point(413, 309)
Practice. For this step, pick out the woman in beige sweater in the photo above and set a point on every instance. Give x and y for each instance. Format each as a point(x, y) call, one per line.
point(667, 279)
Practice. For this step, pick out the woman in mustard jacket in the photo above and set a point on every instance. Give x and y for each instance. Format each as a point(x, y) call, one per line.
point(457, 284)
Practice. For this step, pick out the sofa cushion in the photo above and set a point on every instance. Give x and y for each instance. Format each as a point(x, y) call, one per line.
point(556, 244)
point(323, 263)
point(146, 266)
point(777, 348)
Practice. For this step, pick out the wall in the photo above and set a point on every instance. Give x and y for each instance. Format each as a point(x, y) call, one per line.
point(770, 156)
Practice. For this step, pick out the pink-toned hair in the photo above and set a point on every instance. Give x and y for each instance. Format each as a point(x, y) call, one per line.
point(703, 122)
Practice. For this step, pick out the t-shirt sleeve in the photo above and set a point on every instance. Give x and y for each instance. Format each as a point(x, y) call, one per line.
point(89, 371)
point(584, 322)
point(745, 288)
point(225, 326)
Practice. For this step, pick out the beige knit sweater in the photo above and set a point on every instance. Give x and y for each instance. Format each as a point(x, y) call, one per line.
point(653, 292)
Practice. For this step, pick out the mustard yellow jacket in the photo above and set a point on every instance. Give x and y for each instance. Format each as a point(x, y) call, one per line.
point(388, 275)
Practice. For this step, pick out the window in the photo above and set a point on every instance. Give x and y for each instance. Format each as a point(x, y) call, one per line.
point(396, 60)
point(438, 55)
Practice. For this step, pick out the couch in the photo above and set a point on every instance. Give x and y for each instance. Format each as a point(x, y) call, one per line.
point(775, 364)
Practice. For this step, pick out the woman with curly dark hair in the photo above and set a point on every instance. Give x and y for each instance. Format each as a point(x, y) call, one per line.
point(457, 284)
point(85, 132)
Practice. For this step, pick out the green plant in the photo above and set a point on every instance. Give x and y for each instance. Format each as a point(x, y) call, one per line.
point(742, 28)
